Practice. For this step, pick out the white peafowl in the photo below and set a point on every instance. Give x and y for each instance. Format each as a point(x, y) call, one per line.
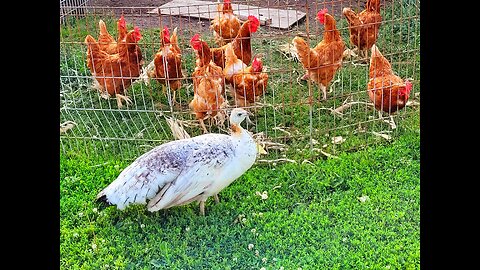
point(187, 170)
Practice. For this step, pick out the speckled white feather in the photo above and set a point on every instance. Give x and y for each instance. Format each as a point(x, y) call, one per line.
point(182, 171)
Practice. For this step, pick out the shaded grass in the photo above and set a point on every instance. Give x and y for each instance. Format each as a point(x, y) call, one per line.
point(312, 217)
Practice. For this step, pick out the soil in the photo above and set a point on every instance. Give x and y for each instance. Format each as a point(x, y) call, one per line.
point(137, 10)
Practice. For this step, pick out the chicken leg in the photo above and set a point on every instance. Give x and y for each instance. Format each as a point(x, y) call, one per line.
point(202, 124)
point(364, 55)
point(324, 90)
point(174, 101)
point(391, 122)
point(217, 200)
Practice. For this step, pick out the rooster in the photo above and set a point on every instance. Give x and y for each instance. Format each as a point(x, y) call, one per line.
point(364, 26)
point(208, 84)
point(248, 82)
point(106, 42)
point(323, 61)
point(168, 61)
point(115, 72)
point(241, 43)
point(225, 25)
point(388, 92)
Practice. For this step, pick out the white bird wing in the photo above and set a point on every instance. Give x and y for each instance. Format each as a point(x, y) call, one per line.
point(149, 173)
point(200, 172)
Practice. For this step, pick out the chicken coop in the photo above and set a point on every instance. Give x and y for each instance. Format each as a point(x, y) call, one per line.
point(292, 119)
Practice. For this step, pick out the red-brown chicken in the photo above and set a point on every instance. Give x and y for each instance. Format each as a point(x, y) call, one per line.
point(323, 61)
point(106, 42)
point(225, 25)
point(249, 82)
point(364, 26)
point(241, 43)
point(387, 91)
point(115, 72)
point(168, 61)
point(208, 84)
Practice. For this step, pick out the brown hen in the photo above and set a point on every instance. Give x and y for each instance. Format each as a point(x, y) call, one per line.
point(106, 42)
point(168, 62)
point(364, 26)
point(249, 82)
point(115, 72)
point(322, 61)
point(208, 84)
point(388, 92)
point(241, 44)
point(225, 25)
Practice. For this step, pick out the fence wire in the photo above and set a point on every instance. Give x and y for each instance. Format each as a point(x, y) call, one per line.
point(291, 119)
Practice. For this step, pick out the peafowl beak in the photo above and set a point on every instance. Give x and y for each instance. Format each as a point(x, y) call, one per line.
point(248, 118)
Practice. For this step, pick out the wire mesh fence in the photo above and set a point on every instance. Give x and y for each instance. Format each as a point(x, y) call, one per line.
point(291, 119)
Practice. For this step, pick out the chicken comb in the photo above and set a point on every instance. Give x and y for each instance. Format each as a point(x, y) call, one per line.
point(321, 15)
point(408, 87)
point(136, 34)
point(257, 65)
point(122, 22)
point(195, 42)
point(226, 1)
point(166, 34)
point(166, 31)
point(254, 23)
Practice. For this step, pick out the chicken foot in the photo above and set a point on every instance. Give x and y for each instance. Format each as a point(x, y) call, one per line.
point(390, 121)
point(363, 55)
point(104, 94)
point(122, 97)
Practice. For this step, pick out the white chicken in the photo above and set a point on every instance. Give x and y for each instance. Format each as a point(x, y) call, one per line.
point(182, 171)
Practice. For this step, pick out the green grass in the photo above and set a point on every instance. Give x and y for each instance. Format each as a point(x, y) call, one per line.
point(312, 218)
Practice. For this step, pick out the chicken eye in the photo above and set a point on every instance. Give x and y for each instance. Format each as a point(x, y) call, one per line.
point(239, 114)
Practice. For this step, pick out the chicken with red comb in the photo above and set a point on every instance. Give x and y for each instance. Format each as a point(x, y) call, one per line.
point(241, 43)
point(254, 23)
point(106, 42)
point(115, 72)
point(364, 26)
point(208, 85)
point(321, 15)
point(195, 42)
point(249, 83)
point(388, 92)
point(136, 34)
point(165, 35)
point(225, 25)
point(168, 63)
point(322, 62)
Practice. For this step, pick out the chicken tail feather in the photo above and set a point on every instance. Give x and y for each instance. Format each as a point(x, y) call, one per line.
point(173, 37)
point(351, 16)
point(92, 43)
point(103, 27)
point(303, 50)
